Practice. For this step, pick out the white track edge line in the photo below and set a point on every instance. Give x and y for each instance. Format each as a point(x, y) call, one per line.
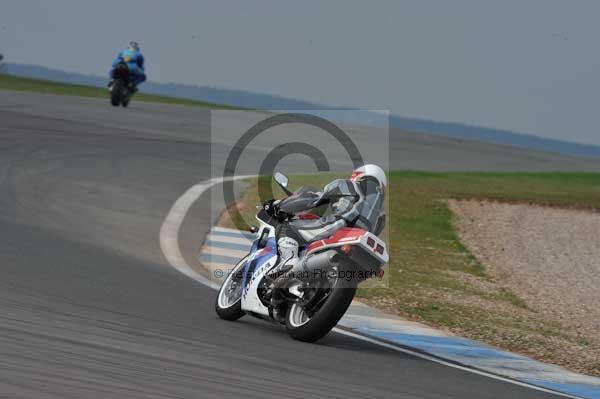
point(169, 231)
point(169, 244)
point(451, 364)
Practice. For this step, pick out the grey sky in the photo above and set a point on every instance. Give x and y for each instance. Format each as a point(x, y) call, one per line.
point(530, 66)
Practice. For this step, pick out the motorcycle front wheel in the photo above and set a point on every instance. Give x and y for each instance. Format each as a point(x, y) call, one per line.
point(311, 323)
point(228, 303)
point(115, 92)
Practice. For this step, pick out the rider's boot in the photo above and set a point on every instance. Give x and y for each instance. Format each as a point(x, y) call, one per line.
point(282, 280)
point(288, 254)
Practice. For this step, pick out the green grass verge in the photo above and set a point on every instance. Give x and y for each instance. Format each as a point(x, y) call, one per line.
point(16, 83)
point(434, 279)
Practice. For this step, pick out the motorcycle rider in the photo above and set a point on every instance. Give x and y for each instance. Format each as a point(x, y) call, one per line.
point(354, 202)
point(134, 59)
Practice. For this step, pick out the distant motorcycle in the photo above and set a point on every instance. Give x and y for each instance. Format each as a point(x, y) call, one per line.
point(313, 296)
point(122, 87)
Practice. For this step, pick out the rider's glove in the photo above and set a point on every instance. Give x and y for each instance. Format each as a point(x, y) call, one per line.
point(271, 207)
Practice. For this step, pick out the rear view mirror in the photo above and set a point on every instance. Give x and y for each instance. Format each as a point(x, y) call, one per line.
point(281, 179)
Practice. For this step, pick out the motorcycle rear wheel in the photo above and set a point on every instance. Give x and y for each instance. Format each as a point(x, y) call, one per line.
point(303, 327)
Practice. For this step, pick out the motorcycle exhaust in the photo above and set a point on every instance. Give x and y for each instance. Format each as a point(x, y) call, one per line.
point(318, 263)
point(314, 266)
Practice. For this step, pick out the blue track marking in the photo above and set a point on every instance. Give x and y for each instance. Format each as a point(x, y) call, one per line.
point(225, 260)
point(228, 245)
point(234, 234)
point(448, 345)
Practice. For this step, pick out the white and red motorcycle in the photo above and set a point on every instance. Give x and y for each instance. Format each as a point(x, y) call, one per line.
point(312, 297)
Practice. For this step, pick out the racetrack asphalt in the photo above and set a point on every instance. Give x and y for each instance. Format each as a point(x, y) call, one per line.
point(89, 307)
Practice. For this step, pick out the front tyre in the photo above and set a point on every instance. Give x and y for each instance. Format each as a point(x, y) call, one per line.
point(115, 93)
point(228, 303)
point(307, 327)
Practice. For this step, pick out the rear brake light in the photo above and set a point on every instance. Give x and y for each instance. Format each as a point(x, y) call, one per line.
point(379, 249)
point(370, 242)
point(346, 249)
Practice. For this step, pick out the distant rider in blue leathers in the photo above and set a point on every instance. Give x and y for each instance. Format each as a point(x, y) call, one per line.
point(135, 62)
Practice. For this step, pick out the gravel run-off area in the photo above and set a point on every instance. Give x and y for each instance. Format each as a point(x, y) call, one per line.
point(549, 257)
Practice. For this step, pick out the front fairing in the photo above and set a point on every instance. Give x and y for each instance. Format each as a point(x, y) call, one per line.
point(261, 259)
point(258, 257)
point(265, 219)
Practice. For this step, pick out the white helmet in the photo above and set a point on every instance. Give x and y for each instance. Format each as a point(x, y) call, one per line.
point(370, 171)
point(134, 46)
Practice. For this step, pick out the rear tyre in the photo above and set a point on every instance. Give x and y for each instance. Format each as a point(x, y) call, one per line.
point(228, 303)
point(303, 327)
point(127, 95)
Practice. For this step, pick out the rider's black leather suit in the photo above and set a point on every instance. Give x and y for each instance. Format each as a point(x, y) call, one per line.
point(352, 204)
